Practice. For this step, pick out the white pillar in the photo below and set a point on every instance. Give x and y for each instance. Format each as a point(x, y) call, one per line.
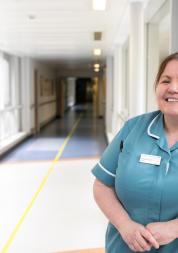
point(101, 98)
point(116, 78)
point(174, 22)
point(136, 60)
point(152, 65)
point(26, 82)
point(115, 91)
point(71, 91)
point(109, 93)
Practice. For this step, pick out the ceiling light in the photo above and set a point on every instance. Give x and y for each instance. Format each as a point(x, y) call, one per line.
point(97, 51)
point(99, 5)
point(96, 70)
point(96, 65)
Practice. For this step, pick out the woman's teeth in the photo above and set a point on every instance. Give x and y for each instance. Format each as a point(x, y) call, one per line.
point(172, 99)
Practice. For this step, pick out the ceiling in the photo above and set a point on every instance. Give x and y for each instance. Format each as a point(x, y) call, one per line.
point(59, 31)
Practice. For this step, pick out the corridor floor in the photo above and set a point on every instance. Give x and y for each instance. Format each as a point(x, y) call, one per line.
point(47, 212)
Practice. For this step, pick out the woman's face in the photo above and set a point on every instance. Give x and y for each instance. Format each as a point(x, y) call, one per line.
point(167, 89)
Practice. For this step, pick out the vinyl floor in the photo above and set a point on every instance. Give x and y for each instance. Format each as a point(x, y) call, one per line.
point(63, 216)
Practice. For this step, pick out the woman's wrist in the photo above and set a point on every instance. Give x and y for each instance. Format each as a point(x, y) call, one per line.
point(174, 227)
point(122, 222)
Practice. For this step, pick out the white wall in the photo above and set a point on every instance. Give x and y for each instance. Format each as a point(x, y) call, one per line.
point(158, 44)
point(136, 51)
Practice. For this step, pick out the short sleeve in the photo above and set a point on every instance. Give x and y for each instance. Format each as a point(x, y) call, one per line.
point(105, 169)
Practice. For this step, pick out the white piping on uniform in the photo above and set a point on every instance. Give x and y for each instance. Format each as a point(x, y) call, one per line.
point(167, 168)
point(148, 129)
point(107, 171)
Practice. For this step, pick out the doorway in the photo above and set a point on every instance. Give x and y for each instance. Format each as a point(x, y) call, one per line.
point(84, 92)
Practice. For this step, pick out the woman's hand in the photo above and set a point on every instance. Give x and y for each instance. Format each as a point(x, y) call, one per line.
point(164, 232)
point(137, 237)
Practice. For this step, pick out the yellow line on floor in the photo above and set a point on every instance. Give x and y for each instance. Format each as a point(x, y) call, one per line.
point(32, 201)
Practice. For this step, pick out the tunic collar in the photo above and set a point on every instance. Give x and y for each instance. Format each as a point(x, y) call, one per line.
point(156, 130)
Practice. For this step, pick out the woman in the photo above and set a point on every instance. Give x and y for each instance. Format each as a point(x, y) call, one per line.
point(136, 183)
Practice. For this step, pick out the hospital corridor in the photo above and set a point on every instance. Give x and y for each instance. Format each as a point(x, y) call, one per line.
point(63, 215)
point(72, 72)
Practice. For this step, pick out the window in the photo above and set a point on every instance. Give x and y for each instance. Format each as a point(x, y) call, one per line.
point(10, 108)
point(5, 96)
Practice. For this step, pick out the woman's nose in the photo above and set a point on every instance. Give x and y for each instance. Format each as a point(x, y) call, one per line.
point(173, 87)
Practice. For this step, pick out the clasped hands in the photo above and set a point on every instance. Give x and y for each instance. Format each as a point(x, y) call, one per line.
point(142, 238)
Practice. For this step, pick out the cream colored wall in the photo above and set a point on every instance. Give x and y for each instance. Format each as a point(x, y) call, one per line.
point(47, 98)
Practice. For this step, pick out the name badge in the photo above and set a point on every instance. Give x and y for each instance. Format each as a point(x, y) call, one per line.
point(151, 159)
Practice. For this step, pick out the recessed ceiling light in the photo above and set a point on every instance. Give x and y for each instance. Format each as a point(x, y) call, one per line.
point(97, 51)
point(96, 70)
point(96, 65)
point(99, 5)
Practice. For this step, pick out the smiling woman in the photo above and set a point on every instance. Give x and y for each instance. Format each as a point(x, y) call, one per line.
point(167, 96)
point(167, 87)
point(142, 160)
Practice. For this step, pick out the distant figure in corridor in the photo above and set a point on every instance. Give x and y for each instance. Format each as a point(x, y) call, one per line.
point(136, 183)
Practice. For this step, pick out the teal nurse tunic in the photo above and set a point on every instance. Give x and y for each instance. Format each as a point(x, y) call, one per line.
point(144, 173)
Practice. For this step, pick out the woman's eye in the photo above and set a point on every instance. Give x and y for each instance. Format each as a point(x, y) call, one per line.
point(165, 81)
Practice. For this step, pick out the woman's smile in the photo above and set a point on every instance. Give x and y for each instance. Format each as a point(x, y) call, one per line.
point(171, 99)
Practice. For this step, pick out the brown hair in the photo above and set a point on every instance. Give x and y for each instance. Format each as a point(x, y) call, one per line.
point(162, 66)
